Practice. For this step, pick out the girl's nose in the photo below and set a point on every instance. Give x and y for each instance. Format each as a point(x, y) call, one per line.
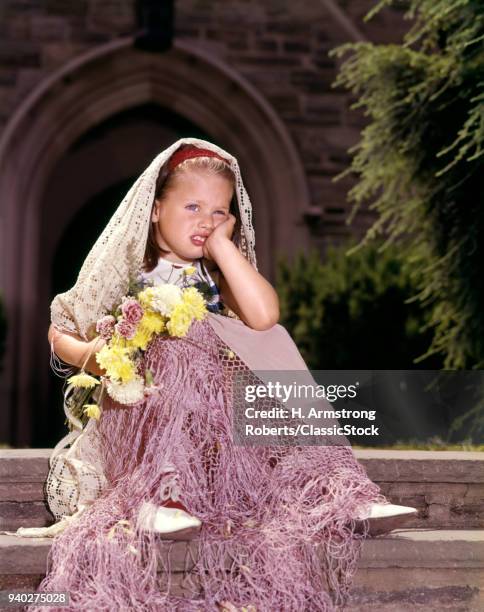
point(207, 223)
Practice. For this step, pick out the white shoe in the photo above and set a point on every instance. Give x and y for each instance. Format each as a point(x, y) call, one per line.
point(383, 518)
point(173, 523)
point(386, 511)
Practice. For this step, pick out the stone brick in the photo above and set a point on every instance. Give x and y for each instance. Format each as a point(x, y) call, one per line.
point(19, 54)
point(238, 45)
point(26, 81)
point(7, 77)
point(66, 7)
point(270, 61)
point(277, 9)
point(233, 38)
point(323, 36)
point(455, 505)
point(213, 47)
point(326, 192)
point(25, 5)
point(186, 32)
point(6, 105)
point(267, 44)
point(54, 54)
point(427, 599)
point(28, 582)
point(384, 28)
point(313, 139)
point(322, 61)
point(340, 157)
point(193, 19)
point(24, 465)
point(312, 81)
point(49, 27)
point(95, 37)
point(286, 104)
point(290, 28)
point(17, 27)
point(22, 491)
point(322, 110)
point(229, 13)
point(296, 47)
point(424, 466)
point(110, 16)
point(24, 514)
point(270, 82)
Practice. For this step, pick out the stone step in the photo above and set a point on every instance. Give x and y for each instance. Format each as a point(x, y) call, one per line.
point(23, 473)
point(411, 569)
point(446, 487)
point(421, 569)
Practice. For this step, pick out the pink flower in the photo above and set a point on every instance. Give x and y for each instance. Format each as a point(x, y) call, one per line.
point(105, 327)
point(126, 329)
point(132, 311)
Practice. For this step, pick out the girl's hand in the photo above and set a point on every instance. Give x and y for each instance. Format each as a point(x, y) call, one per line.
point(74, 350)
point(94, 346)
point(222, 232)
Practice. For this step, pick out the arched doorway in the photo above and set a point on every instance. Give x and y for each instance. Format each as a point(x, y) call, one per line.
point(122, 146)
point(87, 92)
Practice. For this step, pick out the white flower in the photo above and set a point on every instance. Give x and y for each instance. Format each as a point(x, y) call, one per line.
point(164, 298)
point(130, 392)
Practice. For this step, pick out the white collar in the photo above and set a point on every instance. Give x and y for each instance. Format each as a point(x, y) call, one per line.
point(171, 264)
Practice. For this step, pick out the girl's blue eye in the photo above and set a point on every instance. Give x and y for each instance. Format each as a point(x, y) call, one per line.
point(190, 205)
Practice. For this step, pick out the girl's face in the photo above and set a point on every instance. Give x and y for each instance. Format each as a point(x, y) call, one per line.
point(191, 209)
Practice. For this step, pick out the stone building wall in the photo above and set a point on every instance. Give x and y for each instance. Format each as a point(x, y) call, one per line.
point(281, 47)
point(276, 49)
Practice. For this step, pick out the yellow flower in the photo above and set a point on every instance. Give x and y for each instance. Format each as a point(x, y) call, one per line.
point(83, 380)
point(115, 360)
point(141, 338)
point(145, 297)
point(194, 301)
point(190, 270)
point(180, 321)
point(153, 322)
point(118, 341)
point(92, 410)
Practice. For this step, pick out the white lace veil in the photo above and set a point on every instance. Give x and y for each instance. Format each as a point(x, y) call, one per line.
point(117, 256)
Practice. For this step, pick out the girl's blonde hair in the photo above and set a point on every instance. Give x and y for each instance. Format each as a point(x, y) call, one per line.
point(166, 180)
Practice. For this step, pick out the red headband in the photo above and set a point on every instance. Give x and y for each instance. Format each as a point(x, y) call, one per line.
point(182, 154)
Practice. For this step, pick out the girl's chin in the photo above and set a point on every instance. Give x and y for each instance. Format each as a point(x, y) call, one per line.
point(196, 251)
point(190, 254)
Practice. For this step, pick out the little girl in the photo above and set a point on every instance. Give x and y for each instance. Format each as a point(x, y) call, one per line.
point(277, 525)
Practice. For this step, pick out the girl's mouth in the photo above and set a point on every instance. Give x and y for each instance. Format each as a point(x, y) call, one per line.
point(198, 240)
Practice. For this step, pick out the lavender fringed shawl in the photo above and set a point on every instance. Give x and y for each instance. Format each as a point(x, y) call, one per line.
point(277, 530)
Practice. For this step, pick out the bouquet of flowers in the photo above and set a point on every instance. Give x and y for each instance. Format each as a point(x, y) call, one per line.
point(127, 331)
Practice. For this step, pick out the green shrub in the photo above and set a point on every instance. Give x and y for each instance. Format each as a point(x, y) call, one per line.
point(420, 160)
point(353, 312)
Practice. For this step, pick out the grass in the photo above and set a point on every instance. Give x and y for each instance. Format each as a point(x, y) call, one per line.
point(432, 444)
